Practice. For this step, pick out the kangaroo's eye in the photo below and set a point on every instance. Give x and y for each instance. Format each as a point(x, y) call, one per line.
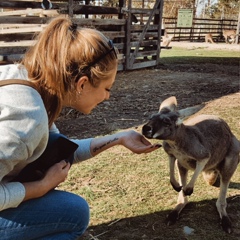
point(167, 121)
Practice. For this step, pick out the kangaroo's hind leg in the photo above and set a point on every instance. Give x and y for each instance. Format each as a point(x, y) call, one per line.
point(212, 177)
point(226, 172)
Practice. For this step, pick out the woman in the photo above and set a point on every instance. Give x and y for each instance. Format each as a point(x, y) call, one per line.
point(71, 67)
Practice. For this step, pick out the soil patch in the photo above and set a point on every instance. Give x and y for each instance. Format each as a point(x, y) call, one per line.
point(137, 94)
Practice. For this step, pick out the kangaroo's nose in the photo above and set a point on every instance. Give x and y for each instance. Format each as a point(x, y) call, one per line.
point(147, 131)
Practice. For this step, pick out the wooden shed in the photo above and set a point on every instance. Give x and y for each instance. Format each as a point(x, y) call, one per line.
point(133, 25)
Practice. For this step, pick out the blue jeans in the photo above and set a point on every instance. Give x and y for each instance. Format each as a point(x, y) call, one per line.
point(58, 215)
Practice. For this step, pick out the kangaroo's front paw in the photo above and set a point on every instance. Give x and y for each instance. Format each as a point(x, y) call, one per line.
point(188, 191)
point(177, 188)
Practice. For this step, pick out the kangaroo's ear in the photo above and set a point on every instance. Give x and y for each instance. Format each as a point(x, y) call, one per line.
point(187, 112)
point(169, 103)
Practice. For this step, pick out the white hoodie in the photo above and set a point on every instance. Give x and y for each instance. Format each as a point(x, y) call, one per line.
point(24, 133)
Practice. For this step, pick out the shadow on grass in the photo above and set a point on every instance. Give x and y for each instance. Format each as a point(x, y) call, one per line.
point(234, 185)
point(201, 59)
point(220, 65)
point(199, 217)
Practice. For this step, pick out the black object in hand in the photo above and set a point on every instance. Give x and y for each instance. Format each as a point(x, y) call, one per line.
point(60, 149)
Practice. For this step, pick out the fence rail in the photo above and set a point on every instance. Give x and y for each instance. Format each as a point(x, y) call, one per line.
point(199, 29)
point(21, 20)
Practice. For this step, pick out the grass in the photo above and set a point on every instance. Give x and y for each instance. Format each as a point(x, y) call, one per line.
point(130, 195)
point(120, 185)
point(200, 55)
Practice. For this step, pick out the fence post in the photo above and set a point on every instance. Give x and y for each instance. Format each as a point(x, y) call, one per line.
point(70, 8)
point(238, 26)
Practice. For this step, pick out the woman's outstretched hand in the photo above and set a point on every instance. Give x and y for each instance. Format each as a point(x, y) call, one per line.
point(137, 143)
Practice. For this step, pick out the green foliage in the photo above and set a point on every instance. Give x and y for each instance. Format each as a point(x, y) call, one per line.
point(110, 3)
point(170, 8)
point(228, 9)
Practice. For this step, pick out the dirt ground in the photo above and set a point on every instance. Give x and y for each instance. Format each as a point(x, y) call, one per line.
point(137, 94)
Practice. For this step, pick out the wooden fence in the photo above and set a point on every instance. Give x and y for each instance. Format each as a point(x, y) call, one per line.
point(138, 46)
point(139, 43)
point(199, 29)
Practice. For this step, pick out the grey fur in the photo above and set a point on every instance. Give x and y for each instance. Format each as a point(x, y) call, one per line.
point(203, 143)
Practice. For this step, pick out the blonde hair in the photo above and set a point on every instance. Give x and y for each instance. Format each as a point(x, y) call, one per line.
point(61, 55)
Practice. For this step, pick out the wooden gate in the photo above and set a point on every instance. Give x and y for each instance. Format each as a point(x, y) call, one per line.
point(138, 44)
point(143, 41)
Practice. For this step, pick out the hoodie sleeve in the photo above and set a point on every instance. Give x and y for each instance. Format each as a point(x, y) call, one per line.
point(11, 194)
point(83, 151)
point(24, 135)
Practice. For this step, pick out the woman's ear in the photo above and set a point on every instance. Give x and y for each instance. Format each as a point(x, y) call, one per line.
point(81, 82)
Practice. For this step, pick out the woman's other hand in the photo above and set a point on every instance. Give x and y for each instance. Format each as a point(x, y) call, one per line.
point(54, 176)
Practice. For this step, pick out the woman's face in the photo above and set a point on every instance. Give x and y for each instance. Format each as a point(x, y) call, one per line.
point(88, 97)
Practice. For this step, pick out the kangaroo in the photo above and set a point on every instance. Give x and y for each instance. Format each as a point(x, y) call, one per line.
point(229, 35)
point(209, 38)
point(203, 143)
point(166, 40)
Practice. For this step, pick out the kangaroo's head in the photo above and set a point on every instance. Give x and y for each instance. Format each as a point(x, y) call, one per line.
point(163, 124)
